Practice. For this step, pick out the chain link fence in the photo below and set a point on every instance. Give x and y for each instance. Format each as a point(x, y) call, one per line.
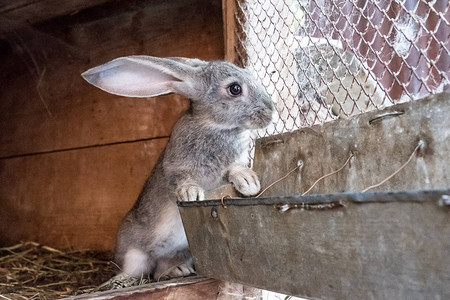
point(326, 59)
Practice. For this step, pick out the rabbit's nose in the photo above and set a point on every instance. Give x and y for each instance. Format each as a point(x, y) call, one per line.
point(270, 105)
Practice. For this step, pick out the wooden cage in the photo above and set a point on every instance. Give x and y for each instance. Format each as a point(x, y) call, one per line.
point(73, 159)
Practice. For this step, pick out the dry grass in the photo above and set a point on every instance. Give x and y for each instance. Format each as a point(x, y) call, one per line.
point(33, 271)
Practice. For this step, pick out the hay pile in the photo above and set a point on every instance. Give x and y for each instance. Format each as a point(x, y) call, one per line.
point(33, 271)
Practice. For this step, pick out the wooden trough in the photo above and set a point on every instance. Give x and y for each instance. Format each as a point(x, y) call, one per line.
point(390, 244)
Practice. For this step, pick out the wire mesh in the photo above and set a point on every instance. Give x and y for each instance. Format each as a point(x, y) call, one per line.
point(327, 59)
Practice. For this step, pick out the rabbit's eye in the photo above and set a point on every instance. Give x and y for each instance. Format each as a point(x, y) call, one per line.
point(235, 89)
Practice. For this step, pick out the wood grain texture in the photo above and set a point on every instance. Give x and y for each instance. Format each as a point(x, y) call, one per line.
point(44, 96)
point(73, 199)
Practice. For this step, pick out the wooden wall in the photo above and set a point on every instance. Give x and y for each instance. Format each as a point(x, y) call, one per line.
point(72, 157)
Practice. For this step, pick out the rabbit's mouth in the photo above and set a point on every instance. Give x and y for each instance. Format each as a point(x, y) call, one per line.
point(258, 121)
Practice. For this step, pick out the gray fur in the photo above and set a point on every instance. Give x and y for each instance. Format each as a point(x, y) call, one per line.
point(207, 148)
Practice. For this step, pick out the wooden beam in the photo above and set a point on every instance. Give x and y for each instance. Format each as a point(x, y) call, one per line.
point(229, 29)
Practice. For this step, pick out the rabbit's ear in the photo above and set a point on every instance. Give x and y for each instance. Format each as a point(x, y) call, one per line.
point(143, 76)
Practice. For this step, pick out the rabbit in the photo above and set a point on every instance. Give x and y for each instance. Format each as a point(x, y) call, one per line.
point(209, 146)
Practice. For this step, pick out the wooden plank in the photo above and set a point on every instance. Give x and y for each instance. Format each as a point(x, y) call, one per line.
point(159, 28)
point(340, 246)
point(235, 51)
point(103, 120)
point(44, 96)
point(73, 199)
point(190, 288)
point(31, 12)
point(380, 146)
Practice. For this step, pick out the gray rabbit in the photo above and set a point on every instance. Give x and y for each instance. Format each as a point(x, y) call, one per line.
point(209, 146)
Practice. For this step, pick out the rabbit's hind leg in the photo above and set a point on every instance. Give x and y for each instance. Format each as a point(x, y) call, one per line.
point(179, 265)
point(173, 258)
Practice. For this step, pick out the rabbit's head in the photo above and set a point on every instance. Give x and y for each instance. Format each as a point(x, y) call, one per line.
point(222, 94)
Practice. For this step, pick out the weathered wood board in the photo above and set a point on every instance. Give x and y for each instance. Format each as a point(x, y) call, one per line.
point(380, 142)
point(340, 246)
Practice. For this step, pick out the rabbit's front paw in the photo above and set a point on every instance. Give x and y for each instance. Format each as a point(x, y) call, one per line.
point(190, 192)
point(245, 180)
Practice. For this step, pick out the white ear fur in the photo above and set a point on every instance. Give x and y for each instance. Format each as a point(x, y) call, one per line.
point(140, 76)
